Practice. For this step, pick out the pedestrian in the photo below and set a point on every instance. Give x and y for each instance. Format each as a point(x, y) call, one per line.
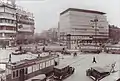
point(75, 54)
point(20, 48)
point(94, 60)
point(49, 52)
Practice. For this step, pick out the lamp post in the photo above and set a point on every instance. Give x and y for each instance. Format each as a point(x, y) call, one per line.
point(95, 21)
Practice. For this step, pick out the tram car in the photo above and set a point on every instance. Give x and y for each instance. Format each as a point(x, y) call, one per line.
point(62, 72)
point(53, 48)
point(25, 69)
point(112, 49)
point(31, 48)
point(97, 73)
point(91, 49)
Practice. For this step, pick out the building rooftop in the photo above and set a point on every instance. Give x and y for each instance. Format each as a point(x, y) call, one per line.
point(82, 10)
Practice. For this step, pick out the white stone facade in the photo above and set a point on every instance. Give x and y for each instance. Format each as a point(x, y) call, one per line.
point(78, 23)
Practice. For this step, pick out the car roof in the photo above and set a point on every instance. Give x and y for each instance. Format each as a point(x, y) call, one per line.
point(61, 66)
point(101, 69)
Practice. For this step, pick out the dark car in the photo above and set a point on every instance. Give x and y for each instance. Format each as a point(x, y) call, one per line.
point(118, 79)
point(60, 73)
point(97, 73)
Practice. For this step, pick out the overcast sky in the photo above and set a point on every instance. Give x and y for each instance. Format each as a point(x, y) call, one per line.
point(46, 12)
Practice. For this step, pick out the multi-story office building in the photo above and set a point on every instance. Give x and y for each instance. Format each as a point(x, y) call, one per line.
point(13, 22)
point(79, 26)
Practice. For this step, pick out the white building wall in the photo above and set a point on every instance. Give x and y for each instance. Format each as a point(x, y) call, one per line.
point(82, 21)
point(64, 23)
point(9, 10)
point(1, 9)
point(79, 23)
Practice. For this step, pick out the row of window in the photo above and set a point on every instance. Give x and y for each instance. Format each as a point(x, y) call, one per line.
point(7, 28)
point(40, 66)
point(14, 22)
point(7, 35)
point(8, 15)
point(7, 21)
point(17, 73)
point(26, 22)
point(33, 68)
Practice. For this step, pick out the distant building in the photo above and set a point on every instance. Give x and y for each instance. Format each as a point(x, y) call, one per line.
point(79, 26)
point(14, 21)
point(53, 34)
point(114, 33)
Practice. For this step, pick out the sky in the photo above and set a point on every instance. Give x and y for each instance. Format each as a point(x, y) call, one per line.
point(46, 12)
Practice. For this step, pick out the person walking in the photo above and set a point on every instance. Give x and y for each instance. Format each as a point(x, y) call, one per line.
point(94, 60)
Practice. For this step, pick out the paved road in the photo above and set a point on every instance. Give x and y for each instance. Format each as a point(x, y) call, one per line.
point(83, 62)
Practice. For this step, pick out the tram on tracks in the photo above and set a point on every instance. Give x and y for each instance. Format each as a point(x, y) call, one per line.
point(26, 69)
point(112, 49)
point(27, 48)
point(91, 49)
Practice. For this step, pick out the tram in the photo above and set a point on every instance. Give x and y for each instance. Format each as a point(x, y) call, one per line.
point(27, 48)
point(91, 49)
point(112, 49)
point(53, 48)
point(26, 69)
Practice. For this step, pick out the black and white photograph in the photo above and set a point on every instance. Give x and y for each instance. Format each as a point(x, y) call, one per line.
point(59, 40)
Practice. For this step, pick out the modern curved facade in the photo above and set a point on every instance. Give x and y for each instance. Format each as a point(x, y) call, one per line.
point(77, 26)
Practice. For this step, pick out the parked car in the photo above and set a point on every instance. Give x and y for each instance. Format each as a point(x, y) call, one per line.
point(97, 73)
point(66, 52)
point(60, 73)
point(118, 79)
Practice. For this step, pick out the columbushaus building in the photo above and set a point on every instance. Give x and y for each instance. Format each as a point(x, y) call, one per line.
point(80, 26)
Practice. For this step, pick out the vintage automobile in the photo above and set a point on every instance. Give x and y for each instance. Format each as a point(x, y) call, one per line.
point(118, 79)
point(98, 73)
point(66, 52)
point(62, 72)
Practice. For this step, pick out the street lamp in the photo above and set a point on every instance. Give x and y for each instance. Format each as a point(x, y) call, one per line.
point(95, 21)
